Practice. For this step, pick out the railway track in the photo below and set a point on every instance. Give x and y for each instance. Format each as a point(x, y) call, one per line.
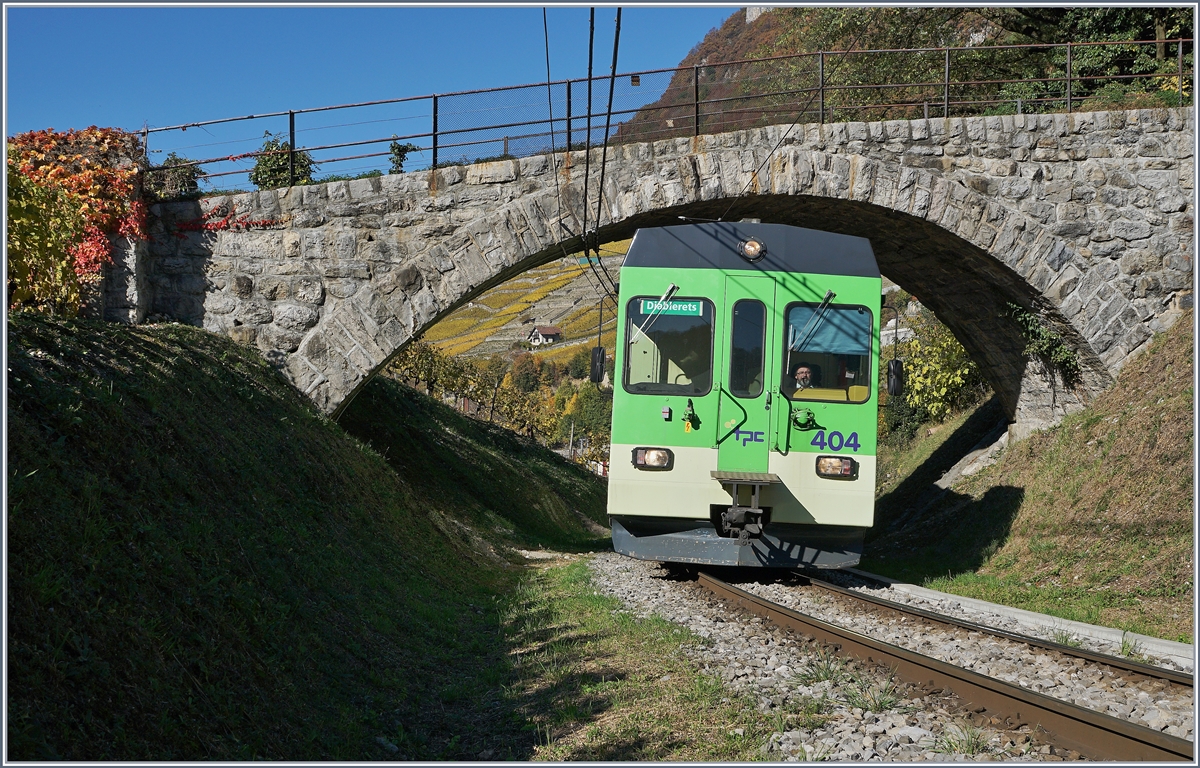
point(1061, 723)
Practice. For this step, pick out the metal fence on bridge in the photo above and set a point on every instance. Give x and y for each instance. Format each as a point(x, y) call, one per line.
point(519, 121)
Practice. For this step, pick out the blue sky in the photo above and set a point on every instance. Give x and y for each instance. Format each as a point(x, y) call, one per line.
point(122, 67)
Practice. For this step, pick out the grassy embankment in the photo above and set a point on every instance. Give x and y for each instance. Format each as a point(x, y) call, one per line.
point(201, 566)
point(1090, 520)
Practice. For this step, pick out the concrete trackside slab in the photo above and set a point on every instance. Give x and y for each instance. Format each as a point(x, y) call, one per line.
point(1181, 653)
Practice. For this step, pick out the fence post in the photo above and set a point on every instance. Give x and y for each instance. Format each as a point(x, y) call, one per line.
point(696, 99)
point(946, 90)
point(291, 148)
point(1068, 78)
point(435, 131)
point(821, 88)
point(1179, 45)
point(568, 115)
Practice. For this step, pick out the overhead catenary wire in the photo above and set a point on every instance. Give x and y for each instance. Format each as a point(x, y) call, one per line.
point(554, 157)
point(550, 106)
point(612, 82)
point(587, 147)
point(841, 59)
point(587, 157)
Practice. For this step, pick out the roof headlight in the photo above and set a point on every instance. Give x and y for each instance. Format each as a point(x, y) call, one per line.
point(752, 249)
point(837, 467)
point(653, 458)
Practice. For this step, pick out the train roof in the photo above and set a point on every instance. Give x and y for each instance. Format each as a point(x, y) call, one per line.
point(714, 245)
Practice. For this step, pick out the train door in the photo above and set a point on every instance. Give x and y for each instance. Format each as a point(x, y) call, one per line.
point(744, 427)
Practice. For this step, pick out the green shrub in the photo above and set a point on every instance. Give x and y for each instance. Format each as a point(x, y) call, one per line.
point(940, 377)
point(271, 170)
point(399, 153)
point(1046, 345)
point(580, 364)
point(348, 177)
point(43, 226)
point(171, 180)
point(900, 421)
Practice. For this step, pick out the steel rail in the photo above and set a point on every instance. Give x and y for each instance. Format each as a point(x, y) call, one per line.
point(1117, 662)
point(1063, 724)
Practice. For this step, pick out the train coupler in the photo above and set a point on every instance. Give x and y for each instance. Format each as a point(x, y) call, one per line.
point(740, 521)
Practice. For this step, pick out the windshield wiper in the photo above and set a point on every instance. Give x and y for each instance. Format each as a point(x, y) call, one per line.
point(672, 289)
point(797, 342)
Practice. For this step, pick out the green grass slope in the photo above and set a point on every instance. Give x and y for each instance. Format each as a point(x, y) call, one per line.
point(1090, 520)
point(504, 486)
point(201, 566)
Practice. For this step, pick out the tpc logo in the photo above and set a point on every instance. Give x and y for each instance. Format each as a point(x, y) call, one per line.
point(747, 437)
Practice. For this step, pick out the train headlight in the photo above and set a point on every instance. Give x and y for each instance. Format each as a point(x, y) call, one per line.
point(653, 458)
point(752, 249)
point(837, 467)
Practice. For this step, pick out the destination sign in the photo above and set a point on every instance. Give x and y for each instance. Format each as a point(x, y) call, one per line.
point(685, 307)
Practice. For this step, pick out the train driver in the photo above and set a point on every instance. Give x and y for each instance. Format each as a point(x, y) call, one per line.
point(804, 376)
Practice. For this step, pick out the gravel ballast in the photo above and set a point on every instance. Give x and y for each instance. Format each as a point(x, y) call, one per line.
point(777, 669)
point(1153, 703)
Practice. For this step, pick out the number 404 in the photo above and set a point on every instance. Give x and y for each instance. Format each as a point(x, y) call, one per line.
point(836, 441)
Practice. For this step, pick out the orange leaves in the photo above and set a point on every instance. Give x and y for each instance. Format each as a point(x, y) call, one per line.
point(96, 167)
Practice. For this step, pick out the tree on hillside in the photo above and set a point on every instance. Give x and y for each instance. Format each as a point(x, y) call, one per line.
point(1037, 73)
point(419, 362)
point(526, 373)
point(491, 373)
point(580, 363)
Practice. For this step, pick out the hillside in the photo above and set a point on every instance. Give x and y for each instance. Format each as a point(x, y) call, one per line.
point(1090, 520)
point(201, 566)
point(563, 293)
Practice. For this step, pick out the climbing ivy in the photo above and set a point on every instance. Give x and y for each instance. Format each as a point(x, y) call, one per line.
point(1046, 345)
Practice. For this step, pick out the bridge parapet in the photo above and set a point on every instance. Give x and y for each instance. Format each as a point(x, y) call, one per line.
point(1086, 218)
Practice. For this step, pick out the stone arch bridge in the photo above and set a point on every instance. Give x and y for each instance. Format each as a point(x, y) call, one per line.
point(1085, 218)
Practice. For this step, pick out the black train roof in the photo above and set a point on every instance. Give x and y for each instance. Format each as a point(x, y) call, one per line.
point(714, 245)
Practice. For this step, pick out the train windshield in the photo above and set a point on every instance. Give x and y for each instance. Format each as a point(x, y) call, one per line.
point(827, 353)
point(669, 346)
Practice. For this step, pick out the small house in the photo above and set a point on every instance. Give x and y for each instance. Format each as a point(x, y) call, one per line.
point(545, 334)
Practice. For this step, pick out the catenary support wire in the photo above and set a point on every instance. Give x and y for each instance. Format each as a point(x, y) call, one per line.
point(841, 59)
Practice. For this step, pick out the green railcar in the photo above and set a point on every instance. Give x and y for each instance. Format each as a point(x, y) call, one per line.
point(745, 405)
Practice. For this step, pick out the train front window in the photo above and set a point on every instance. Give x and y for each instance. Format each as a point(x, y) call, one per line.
point(827, 354)
point(669, 346)
point(746, 348)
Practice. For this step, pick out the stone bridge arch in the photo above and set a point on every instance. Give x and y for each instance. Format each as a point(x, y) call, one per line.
point(1085, 218)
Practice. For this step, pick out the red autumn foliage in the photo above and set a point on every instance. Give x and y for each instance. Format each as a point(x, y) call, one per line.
point(96, 167)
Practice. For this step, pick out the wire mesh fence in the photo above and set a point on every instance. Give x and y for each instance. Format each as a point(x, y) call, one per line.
point(415, 133)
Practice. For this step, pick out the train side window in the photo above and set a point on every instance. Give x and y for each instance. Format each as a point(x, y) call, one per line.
point(746, 333)
point(827, 356)
point(669, 346)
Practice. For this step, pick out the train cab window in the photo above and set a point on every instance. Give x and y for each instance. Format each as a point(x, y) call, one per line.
point(669, 346)
point(827, 354)
point(746, 348)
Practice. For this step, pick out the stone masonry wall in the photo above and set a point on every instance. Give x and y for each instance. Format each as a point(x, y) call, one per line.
point(1085, 218)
